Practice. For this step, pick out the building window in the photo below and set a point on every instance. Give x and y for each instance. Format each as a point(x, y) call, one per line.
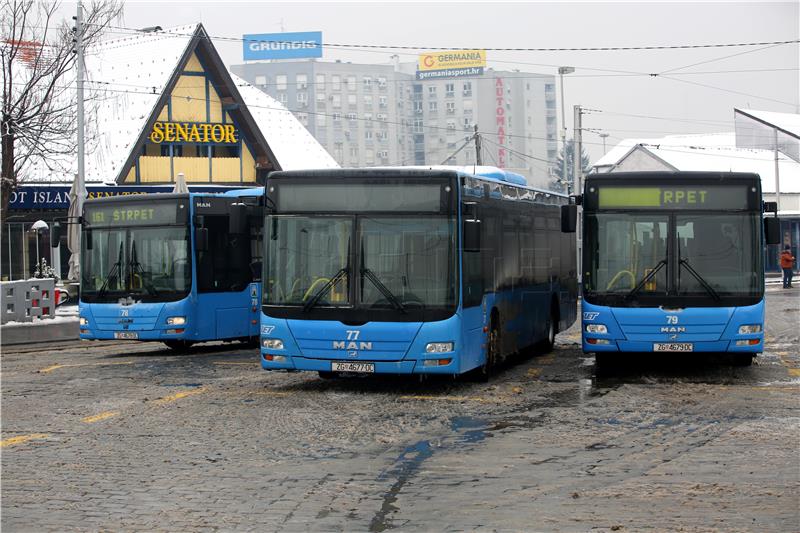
point(354, 152)
point(368, 119)
point(383, 101)
point(320, 82)
point(280, 82)
point(302, 82)
point(261, 80)
point(368, 135)
point(351, 116)
point(383, 136)
point(467, 123)
point(282, 98)
point(303, 118)
point(320, 120)
point(367, 100)
point(381, 117)
point(336, 118)
point(451, 125)
point(467, 88)
point(367, 82)
point(351, 83)
point(418, 107)
point(336, 101)
point(451, 108)
point(336, 82)
point(381, 82)
point(418, 125)
point(432, 91)
point(369, 156)
point(302, 98)
point(321, 97)
point(449, 90)
point(351, 100)
point(433, 106)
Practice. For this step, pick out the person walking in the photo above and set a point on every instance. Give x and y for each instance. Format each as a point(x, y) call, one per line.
point(787, 264)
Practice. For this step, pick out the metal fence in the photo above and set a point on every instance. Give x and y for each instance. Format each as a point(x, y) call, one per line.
point(22, 301)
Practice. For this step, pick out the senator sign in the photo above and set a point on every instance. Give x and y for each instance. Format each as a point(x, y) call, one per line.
point(295, 45)
point(451, 63)
point(193, 132)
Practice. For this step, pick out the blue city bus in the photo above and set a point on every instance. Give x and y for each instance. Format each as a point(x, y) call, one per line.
point(175, 268)
point(674, 262)
point(411, 271)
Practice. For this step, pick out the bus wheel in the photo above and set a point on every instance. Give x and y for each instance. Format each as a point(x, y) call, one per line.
point(484, 372)
point(546, 346)
point(742, 359)
point(178, 346)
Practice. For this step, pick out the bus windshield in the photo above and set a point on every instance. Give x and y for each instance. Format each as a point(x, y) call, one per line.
point(145, 263)
point(384, 262)
point(642, 254)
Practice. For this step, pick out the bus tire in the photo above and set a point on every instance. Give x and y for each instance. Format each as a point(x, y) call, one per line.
point(178, 345)
point(546, 346)
point(484, 372)
point(742, 359)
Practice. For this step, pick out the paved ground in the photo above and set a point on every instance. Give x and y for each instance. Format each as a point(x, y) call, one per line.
point(133, 437)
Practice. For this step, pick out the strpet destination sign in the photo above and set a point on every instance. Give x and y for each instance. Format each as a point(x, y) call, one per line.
point(193, 132)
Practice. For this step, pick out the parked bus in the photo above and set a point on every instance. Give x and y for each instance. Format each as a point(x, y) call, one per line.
point(674, 262)
point(411, 270)
point(175, 268)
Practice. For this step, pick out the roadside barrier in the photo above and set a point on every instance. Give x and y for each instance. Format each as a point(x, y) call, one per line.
point(22, 301)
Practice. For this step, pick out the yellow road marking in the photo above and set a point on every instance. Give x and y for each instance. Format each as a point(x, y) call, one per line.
point(534, 372)
point(22, 439)
point(794, 372)
point(98, 417)
point(57, 366)
point(178, 395)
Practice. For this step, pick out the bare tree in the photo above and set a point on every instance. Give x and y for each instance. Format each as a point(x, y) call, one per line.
point(37, 56)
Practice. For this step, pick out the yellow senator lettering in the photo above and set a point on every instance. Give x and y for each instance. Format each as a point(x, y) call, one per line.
point(193, 133)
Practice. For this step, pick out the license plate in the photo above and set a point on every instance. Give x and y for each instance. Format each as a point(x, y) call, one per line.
point(127, 335)
point(673, 347)
point(352, 366)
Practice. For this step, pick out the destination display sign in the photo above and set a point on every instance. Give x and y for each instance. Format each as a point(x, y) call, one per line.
point(674, 197)
point(138, 214)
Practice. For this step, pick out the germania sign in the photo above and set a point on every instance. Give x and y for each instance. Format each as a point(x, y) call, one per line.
point(192, 132)
point(451, 63)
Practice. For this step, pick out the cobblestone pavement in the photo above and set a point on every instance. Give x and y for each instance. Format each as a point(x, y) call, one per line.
point(126, 436)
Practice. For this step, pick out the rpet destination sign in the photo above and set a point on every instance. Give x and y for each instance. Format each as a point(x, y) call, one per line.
point(257, 46)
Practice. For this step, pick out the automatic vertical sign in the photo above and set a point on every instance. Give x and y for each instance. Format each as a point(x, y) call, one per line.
point(500, 121)
point(295, 45)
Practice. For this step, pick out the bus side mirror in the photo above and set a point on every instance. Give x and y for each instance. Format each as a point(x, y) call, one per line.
point(201, 239)
point(237, 219)
point(569, 218)
point(770, 207)
point(772, 230)
point(55, 234)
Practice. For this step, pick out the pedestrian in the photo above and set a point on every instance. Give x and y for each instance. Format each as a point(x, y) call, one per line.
point(787, 264)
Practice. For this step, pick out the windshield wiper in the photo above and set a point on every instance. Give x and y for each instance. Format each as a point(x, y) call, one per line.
point(370, 275)
point(699, 278)
point(661, 264)
point(325, 288)
point(113, 273)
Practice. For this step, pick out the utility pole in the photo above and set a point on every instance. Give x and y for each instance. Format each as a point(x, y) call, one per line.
point(561, 72)
point(577, 169)
point(477, 137)
point(79, 178)
point(777, 172)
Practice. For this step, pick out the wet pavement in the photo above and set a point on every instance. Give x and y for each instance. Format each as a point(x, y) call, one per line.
point(125, 436)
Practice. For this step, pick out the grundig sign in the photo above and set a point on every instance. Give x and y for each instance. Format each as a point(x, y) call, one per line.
point(191, 132)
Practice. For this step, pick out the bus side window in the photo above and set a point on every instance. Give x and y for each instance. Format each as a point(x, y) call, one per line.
point(473, 279)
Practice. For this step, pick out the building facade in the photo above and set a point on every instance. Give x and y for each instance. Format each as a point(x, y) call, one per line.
point(372, 115)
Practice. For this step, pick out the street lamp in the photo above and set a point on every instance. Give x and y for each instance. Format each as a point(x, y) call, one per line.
point(561, 72)
point(603, 136)
point(39, 226)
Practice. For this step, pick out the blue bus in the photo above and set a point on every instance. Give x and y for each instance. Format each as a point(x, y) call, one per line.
point(175, 268)
point(411, 271)
point(674, 262)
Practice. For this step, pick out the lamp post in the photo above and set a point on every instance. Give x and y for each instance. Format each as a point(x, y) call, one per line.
point(603, 136)
point(561, 72)
point(39, 226)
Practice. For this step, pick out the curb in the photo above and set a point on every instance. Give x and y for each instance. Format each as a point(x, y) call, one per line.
point(41, 332)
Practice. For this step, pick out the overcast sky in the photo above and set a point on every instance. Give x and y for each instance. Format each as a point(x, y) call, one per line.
point(697, 95)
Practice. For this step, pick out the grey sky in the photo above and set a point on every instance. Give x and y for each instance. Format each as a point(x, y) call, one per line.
point(768, 79)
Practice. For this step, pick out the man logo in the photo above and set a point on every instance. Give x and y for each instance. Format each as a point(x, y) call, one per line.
point(352, 345)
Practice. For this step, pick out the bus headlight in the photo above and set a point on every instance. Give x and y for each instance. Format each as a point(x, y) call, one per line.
point(750, 328)
point(83, 321)
point(272, 344)
point(439, 347)
point(176, 320)
point(596, 328)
